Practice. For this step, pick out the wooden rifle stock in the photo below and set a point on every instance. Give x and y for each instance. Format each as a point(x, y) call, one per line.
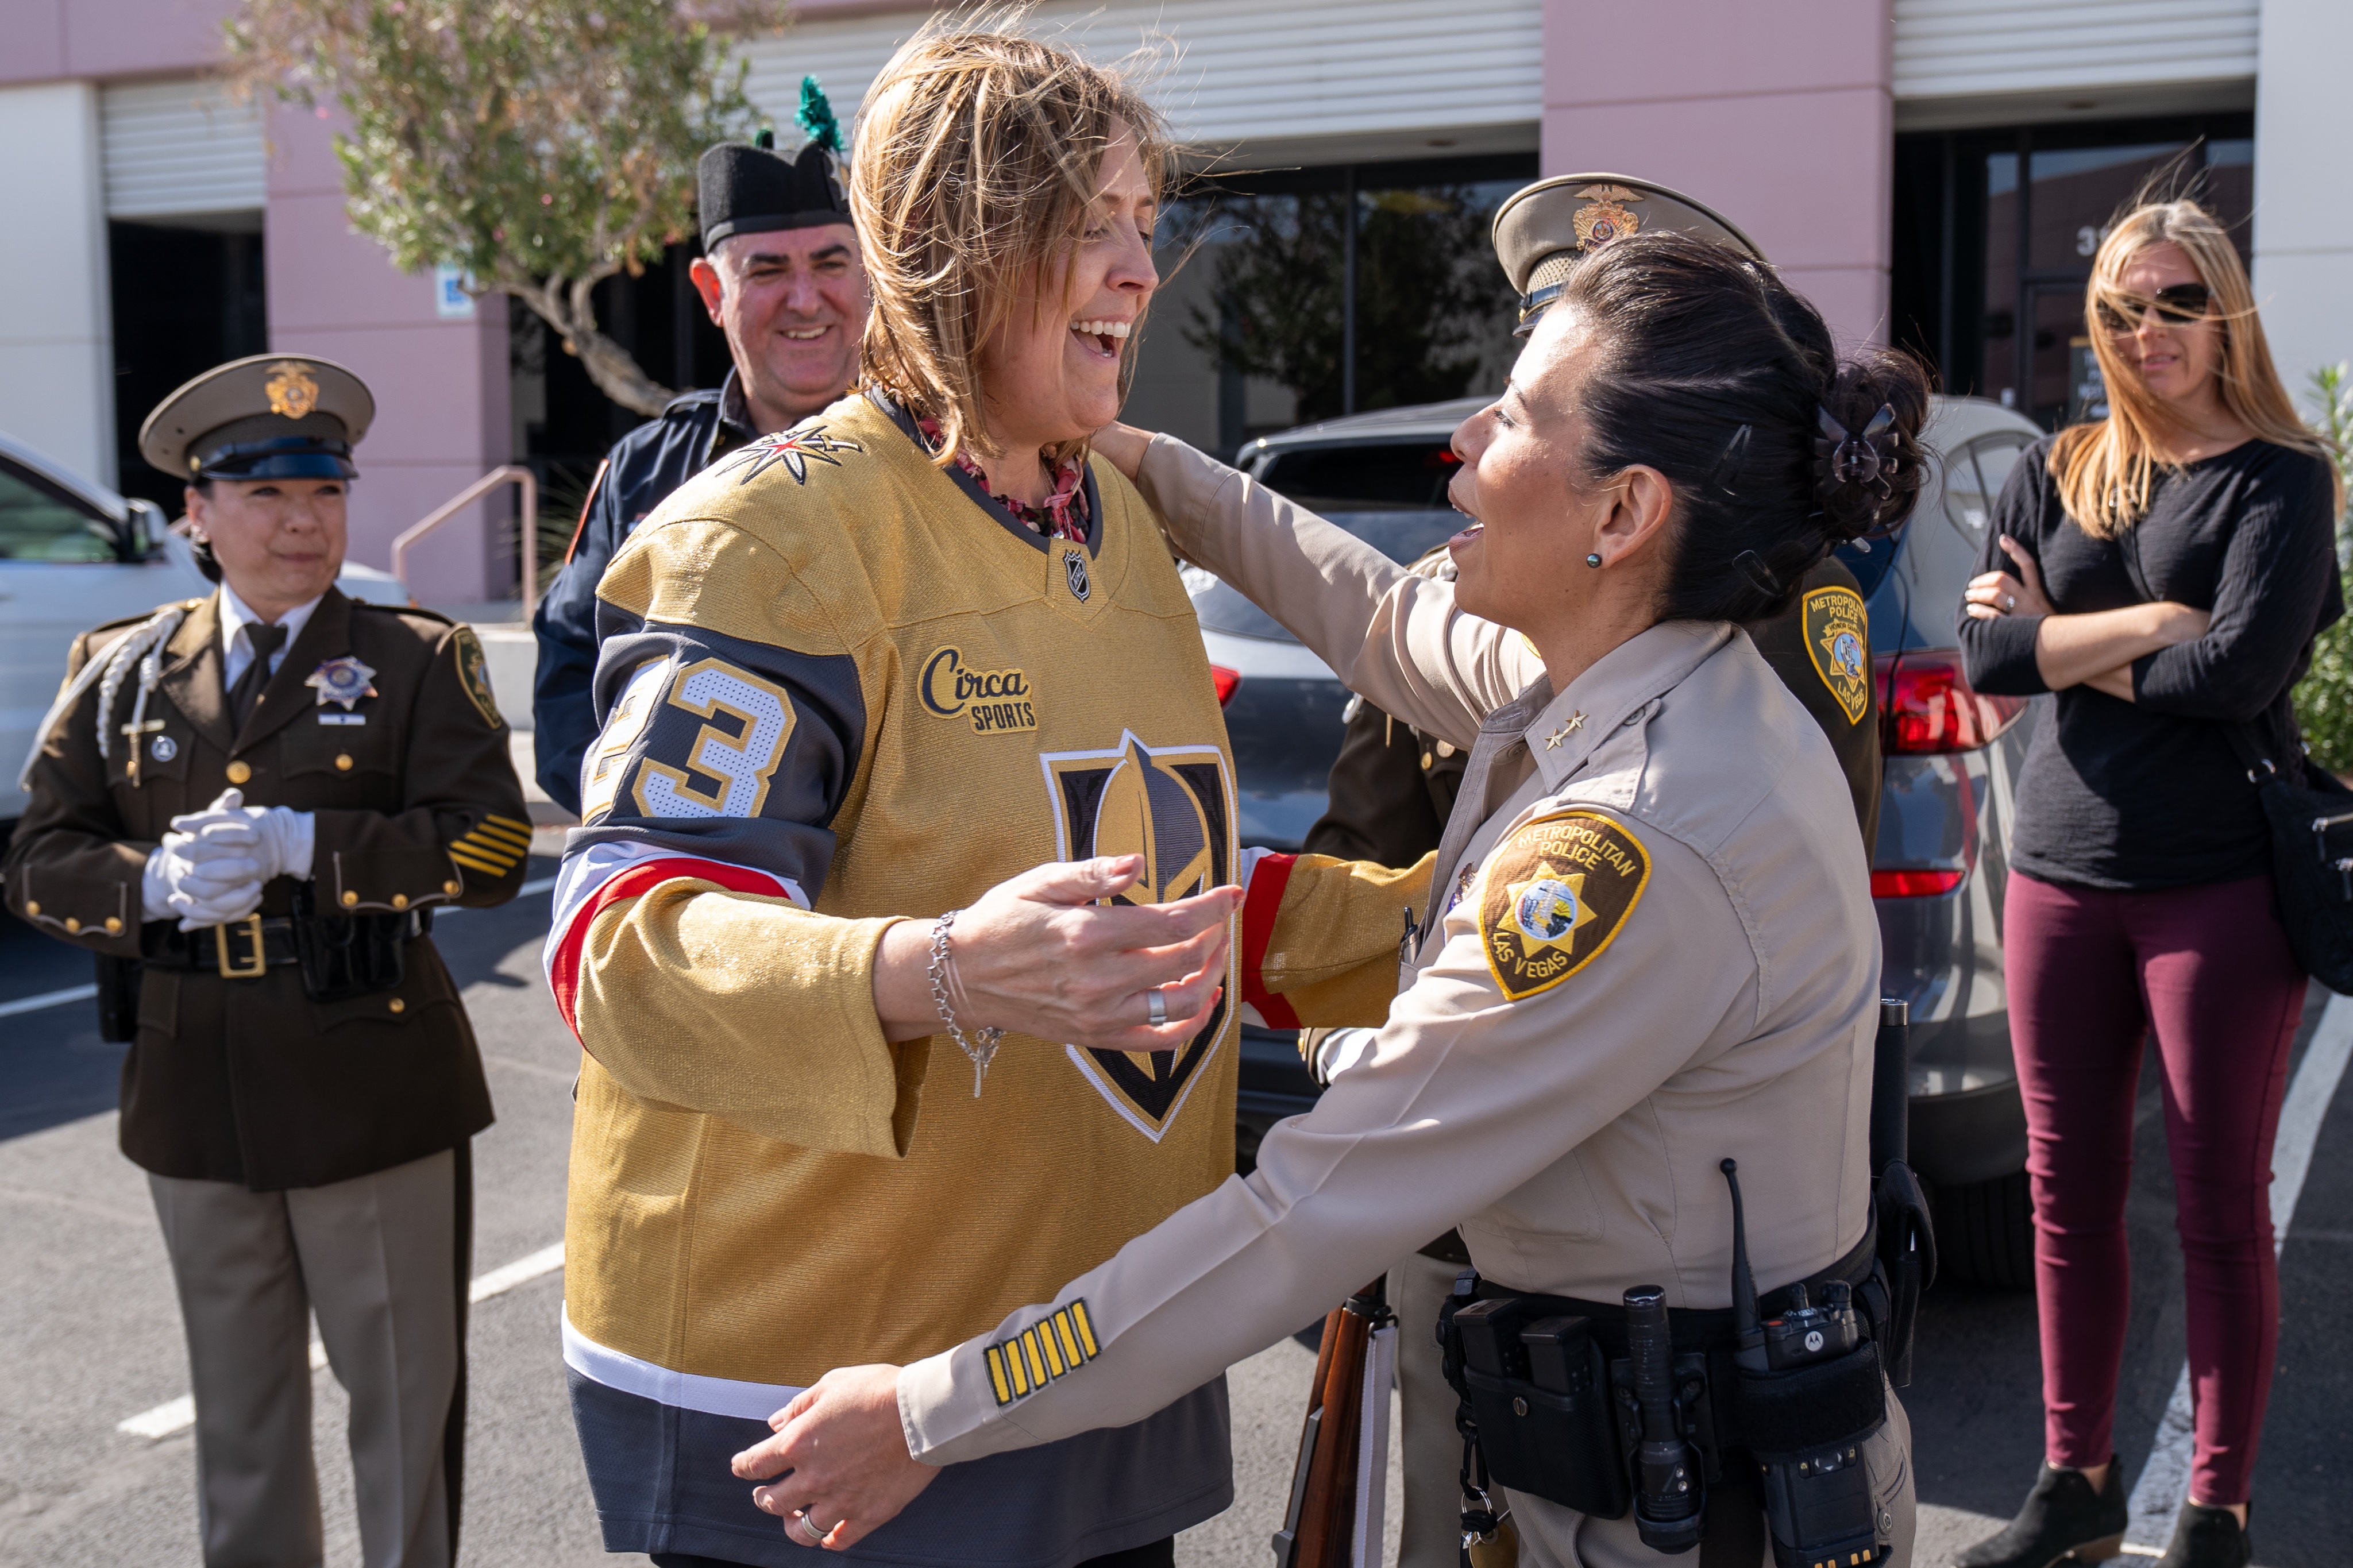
point(1320, 1530)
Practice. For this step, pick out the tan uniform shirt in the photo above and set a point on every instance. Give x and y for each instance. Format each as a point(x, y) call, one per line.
point(1653, 948)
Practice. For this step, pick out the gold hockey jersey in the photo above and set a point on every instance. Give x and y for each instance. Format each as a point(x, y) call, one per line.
point(840, 687)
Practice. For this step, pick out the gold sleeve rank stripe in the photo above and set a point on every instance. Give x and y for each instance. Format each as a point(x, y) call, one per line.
point(494, 820)
point(1046, 1350)
point(484, 867)
point(496, 832)
point(497, 851)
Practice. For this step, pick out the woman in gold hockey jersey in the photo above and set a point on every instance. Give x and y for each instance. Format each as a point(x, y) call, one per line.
point(909, 748)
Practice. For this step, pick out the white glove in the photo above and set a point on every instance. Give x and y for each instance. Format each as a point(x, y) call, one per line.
point(280, 839)
point(207, 881)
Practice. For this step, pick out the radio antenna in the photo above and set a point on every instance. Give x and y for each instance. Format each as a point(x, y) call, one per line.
point(1744, 1284)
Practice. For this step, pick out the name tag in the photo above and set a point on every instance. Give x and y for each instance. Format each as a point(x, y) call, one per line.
point(343, 717)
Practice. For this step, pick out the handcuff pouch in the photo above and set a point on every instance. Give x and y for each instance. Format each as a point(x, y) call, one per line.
point(1538, 1388)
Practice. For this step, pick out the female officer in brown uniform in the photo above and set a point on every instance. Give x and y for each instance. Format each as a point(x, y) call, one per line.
point(246, 807)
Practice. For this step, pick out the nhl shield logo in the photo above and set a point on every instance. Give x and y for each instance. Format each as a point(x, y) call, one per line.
point(1074, 572)
point(1838, 641)
point(1172, 806)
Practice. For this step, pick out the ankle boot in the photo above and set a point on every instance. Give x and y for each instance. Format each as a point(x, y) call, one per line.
point(2207, 1538)
point(2063, 1519)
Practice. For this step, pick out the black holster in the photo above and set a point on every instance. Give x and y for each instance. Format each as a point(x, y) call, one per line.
point(344, 955)
point(118, 998)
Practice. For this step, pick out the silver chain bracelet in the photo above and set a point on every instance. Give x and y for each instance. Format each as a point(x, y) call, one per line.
point(985, 1051)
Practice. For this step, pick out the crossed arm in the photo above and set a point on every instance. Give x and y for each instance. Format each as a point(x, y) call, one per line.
point(2094, 649)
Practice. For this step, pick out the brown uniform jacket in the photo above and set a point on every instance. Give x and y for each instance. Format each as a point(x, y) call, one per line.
point(1393, 787)
point(248, 1081)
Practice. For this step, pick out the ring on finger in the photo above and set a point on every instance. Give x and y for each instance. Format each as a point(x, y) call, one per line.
point(1156, 1008)
point(815, 1536)
point(2009, 601)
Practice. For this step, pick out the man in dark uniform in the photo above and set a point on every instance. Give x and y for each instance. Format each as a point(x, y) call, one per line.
point(781, 273)
point(247, 806)
point(1392, 787)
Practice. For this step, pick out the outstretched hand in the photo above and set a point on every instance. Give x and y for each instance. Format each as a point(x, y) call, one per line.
point(837, 1468)
point(1040, 954)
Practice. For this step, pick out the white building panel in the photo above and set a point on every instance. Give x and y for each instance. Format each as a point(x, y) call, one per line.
point(1233, 71)
point(181, 146)
point(1964, 48)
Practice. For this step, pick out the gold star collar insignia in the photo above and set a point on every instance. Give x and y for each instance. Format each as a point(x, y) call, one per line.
point(1553, 740)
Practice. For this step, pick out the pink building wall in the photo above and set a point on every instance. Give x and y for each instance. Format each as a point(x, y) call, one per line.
point(1781, 116)
point(440, 386)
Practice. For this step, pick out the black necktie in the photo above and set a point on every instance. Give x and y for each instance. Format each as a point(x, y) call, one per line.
point(266, 641)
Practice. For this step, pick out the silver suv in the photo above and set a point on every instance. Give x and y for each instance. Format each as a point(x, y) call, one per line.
point(1952, 761)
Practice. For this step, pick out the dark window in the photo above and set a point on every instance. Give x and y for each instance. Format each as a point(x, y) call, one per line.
point(1394, 477)
point(1996, 231)
point(188, 295)
point(39, 522)
point(1355, 286)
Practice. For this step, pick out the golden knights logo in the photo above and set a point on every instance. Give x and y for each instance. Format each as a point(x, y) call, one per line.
point(1838, 640)
point(1173, 805)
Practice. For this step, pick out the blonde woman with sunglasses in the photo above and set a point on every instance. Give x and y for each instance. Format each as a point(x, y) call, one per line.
point(2164, 571)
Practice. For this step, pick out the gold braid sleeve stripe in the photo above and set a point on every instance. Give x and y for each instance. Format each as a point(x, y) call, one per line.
point(1052, 1347)
point(484, 867)
point(491, 832)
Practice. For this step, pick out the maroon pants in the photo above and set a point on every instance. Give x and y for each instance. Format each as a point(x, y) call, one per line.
point(2092, 974)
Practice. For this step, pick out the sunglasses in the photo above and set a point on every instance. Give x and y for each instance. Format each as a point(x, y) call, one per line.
point(2183, 303)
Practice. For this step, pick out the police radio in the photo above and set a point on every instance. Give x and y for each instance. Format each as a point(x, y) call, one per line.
point(1811, 1395)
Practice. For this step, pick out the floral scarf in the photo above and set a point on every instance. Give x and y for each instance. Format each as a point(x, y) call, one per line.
point(1063, 514)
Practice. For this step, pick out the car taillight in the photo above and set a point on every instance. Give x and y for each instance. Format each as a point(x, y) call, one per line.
point(1926, 707)
point(1225, 680)
point(1913, 884)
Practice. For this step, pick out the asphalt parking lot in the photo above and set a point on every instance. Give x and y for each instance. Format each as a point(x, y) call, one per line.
point(89, 1337)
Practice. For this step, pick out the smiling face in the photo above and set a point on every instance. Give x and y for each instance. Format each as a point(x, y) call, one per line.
point(1530, 524)
point(2175, 359)
point(279, 542)
point(1051, 371)
point(793, 303)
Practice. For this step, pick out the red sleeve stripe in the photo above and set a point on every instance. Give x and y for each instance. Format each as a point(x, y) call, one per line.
point(1260, 906)
point(564, 962)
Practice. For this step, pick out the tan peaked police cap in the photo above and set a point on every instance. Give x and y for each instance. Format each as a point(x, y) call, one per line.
point(269, 417)
point(1543, 231)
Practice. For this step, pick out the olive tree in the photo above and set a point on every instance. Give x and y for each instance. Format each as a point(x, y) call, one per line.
point(542, 146)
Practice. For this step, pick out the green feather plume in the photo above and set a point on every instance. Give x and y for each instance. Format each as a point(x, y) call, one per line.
point(816, 117)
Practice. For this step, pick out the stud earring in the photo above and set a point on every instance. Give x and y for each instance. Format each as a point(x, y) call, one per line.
point(1594, 559)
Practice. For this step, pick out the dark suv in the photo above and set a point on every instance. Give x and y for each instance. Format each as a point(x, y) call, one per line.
point(1952, 762)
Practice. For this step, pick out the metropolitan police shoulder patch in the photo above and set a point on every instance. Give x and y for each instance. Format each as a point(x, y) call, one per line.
point(474, 674)
point(1838, 640)
point(1552, 895)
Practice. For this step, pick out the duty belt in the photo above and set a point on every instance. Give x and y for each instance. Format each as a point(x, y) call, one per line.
point(240, 950)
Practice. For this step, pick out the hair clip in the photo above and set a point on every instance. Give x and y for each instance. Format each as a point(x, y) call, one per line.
point(1752, 566)
point(1728, 467)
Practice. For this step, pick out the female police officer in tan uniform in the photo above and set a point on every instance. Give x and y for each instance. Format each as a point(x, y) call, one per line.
point(1652, 945)
point(256, 798)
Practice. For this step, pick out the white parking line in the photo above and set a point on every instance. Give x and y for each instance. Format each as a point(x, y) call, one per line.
point(179, 1414)
point(2164, 1482)
point(48, 999)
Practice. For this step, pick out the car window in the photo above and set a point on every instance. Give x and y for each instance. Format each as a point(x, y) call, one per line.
point(1402, 476)
point(37, 523)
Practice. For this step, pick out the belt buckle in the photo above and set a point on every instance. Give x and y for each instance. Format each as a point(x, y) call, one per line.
point(233, 968)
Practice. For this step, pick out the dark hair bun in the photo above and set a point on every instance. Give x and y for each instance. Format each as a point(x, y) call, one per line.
point(1711, 371)
point(1869, 464)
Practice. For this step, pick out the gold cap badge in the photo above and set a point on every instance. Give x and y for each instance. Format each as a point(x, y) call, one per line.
point(292, 392)
point(1605, 218)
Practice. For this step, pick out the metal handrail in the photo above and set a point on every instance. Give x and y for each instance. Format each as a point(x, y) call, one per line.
point(528, 533)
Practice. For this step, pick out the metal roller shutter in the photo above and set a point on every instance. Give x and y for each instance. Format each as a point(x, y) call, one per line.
point(181, 146)
point(1238, 71)
point(1961, 48)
